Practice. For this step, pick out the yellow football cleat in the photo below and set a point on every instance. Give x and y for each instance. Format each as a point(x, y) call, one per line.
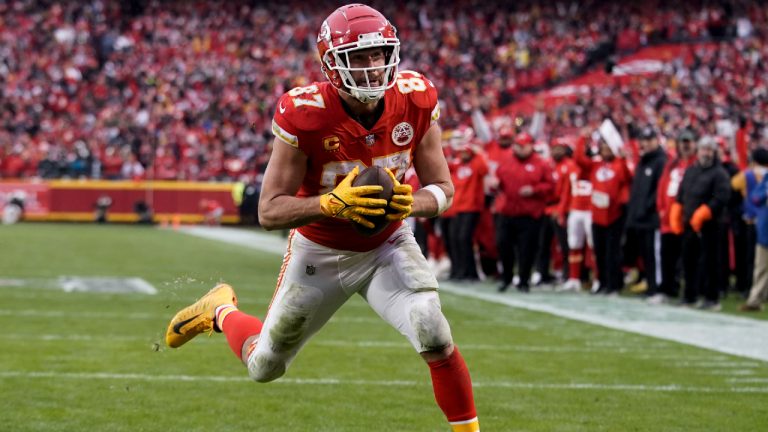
point(199, 316)
point(639, 287)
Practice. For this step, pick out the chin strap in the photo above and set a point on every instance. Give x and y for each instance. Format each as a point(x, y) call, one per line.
point(363, 96)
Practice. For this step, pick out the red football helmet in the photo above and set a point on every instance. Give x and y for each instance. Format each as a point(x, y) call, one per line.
point(564, 141)
point(358, 27)
point(506, 132)
point(523, 138)
point(460, 136)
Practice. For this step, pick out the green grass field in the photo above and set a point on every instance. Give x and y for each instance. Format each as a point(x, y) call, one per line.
point(90, 361)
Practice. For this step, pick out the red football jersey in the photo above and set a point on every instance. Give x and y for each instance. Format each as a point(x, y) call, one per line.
point(580, 189)
point(563, 186)
point(313, 120)
point(580, 183)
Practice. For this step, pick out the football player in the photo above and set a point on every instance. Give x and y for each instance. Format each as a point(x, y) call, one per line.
point(578, 222)
point(367, 114)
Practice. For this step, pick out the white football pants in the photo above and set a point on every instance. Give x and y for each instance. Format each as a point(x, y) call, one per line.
point(315, 281)
point(579, 226)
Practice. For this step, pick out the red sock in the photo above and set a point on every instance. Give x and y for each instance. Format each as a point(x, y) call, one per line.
point(453, 387)
point(574, 264)
point(239, 327)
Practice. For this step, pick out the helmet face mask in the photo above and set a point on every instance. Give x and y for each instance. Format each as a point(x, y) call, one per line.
point(351, 33)
point(361, 88)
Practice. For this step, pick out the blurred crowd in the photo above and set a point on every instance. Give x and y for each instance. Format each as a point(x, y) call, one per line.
point(722, 88)
point(186, 89)
point(676, 214)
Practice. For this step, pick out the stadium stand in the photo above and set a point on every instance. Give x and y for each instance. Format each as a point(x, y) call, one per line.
point(186, 90)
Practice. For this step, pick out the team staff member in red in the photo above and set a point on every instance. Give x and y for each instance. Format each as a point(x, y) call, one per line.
point(325, 133)
point(468, 174)
point(485, 235)
point(610, 178)
point(550, 227)
point(666, 194)
point(525, 186)
point(562, 154)
point(498, 151)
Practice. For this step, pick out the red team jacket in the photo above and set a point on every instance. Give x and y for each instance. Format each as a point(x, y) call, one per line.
point(313, 120)
point(513, 174)
point(495, 155)
point(468, 182)
point(610, 181)
point(669, 185)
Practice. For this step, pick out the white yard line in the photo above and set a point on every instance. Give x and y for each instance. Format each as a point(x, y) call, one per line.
point(100, 284)
point(705, 364)
point(84, 314)
point(247, 238)
point(730, 372)
point(374, 344)
point(718, 332)
point(748, 380)
point(675, 388)
point(47, 313)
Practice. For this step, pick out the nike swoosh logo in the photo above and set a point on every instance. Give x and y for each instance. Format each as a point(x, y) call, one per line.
point(394, 239)
point(177, 327)
point(282, 108)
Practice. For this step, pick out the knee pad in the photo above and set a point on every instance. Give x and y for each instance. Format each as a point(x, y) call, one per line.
point(285, 331)
point(264, 368)
point(291, 317)
point(429, 325)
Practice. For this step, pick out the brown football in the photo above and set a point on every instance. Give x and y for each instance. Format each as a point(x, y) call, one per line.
point(375, 176)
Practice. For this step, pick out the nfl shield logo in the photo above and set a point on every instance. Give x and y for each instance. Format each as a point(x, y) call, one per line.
point(370, 140)
point(310, 269)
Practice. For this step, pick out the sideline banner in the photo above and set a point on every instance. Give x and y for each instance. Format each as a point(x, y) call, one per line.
point(75, 200)
point(36, 196)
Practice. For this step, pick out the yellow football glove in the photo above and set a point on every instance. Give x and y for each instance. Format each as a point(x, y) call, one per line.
point(402, 199)
point(349, 202)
